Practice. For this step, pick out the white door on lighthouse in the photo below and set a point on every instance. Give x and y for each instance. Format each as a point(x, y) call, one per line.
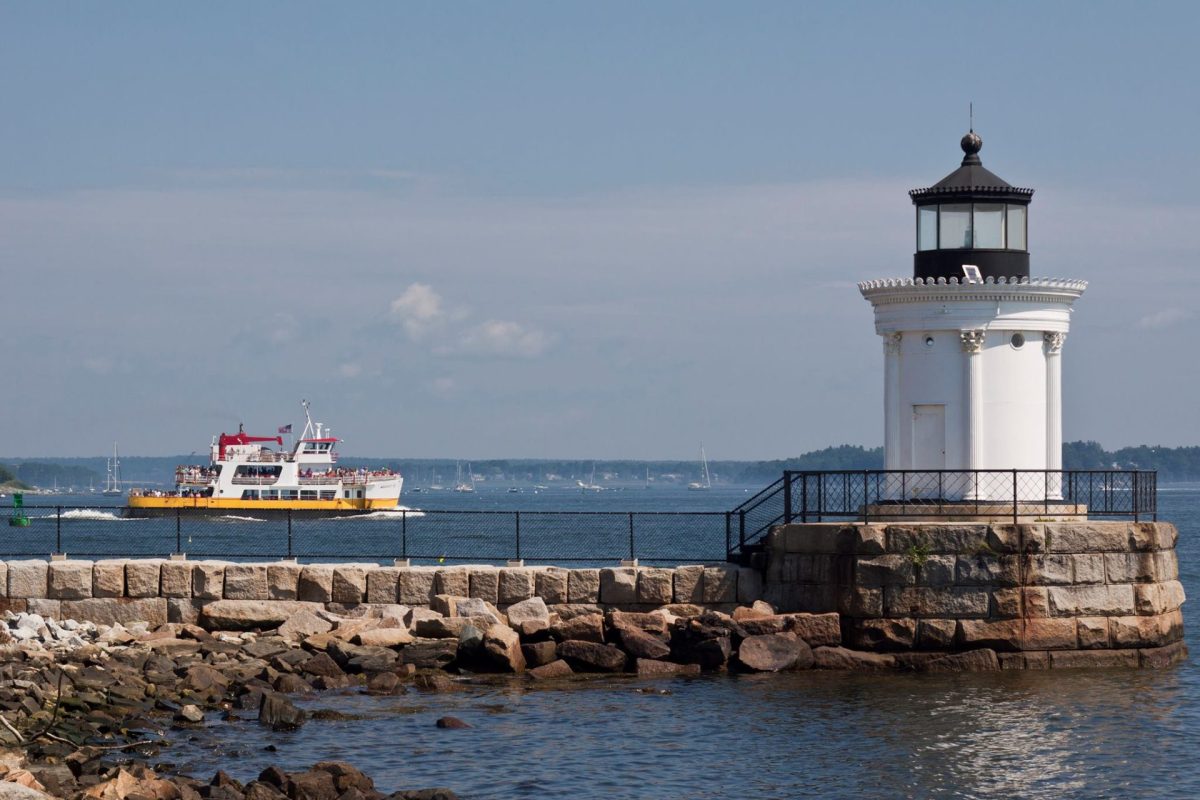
point(929, 436)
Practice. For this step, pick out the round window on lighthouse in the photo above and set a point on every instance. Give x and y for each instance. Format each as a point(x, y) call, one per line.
point(1018, 340)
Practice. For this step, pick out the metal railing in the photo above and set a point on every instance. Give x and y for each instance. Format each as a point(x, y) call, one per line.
point(863, 495)
point(430, 536)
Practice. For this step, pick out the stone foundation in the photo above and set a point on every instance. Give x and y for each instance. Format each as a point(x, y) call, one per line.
point(1041, 595)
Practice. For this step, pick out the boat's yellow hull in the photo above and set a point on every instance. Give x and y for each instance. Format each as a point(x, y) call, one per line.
point(149, 506)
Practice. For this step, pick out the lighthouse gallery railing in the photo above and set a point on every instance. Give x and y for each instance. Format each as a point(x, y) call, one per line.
point(895, 495)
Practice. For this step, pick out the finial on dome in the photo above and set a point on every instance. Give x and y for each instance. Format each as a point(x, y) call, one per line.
point(972, 143)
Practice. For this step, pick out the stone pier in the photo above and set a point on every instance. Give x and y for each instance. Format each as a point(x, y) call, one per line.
point(1042, 595)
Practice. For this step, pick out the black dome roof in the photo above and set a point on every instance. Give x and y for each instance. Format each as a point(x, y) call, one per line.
point(971, 180)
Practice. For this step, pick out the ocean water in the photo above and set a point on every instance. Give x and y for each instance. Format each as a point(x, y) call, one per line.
point(1067, 734)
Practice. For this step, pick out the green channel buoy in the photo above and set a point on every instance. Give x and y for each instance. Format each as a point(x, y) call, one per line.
point(19, 518)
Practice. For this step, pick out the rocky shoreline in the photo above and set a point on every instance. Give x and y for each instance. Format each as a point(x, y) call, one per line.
point(85, 707)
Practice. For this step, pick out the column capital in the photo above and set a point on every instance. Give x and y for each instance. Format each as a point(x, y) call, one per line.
point(972, 340)
point(891, 343)
point(1053, 342)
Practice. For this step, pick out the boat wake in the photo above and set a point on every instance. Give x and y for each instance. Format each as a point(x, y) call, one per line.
point(398, 512)
point(235, 518)
point(90, 514)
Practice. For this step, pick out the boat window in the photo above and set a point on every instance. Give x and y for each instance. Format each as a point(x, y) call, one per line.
point(287, 494)
point(347, 494)
point(308, 494)
point(328, 495)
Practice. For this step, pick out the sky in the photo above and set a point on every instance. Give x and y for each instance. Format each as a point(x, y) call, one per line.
point(545, 229)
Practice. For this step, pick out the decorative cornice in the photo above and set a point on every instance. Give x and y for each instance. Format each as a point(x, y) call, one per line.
point(918, 290)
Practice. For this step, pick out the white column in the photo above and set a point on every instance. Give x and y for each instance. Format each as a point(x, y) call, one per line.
point(972, 345)
point(1053, 343)
point(891, 400)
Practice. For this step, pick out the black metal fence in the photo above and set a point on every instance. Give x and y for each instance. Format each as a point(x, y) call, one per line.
point(861, 495)
point(432, 536)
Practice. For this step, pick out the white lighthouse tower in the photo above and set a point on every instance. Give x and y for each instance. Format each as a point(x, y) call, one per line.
point(972, 344)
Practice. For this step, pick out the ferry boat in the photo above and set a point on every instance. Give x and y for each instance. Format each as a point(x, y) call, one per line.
point(245, 474)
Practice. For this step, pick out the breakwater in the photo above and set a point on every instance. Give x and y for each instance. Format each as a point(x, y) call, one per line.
point(1038, 595)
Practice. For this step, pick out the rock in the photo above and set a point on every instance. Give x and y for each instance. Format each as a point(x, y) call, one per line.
point(689, 585)
point(283, 580)
point(485, 584)
point(743, 613)
point(529, 617)
point(591, 657)
point(11, 790)
point(445, 605)
point(345, 776)
point(653, 624)
point(257, 790)
point(238, 615)
point(553, 670)
point(842, 658)
point(383, 585)
point(322, 664)
point(981, 660)
point(190, 713)
point(208, 579)
point(312, 784)
point(113, 610)
point(385, 683)
point(452, 723)
point(695, 642)
point(551, 585)
point(292, 684)
point(303, 623)
point(883, 634)
point(202, 679)
point(516, 584)
point(246, 582)
point(478, 607)
point(773, 652)
point(539, 654)
point(384, 637)
point(502, 648)
point(430, 653)
point(640, 644)
point(415, 585)
point(278, 712)
point(583, 586)
point(618, 586)
point(442, 627)
point(589, 628)
point(650, 668)
point(315, 584)
point(27, 579)
point(349, 584)
point(654, 586)
point(108, 578)
point(69, 580)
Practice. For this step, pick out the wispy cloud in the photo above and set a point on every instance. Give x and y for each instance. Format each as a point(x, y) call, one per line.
point(1164, 319)
point(504, 339)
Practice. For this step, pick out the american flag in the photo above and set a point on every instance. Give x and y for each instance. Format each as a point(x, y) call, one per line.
point(285, 428)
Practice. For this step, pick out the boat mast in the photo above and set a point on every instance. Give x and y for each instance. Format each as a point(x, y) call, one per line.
point(704, 460)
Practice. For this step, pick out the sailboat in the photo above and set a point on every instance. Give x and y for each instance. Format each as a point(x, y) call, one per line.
point(591, 485)
point(112, 480)
point(697, 486)
point(463, 486)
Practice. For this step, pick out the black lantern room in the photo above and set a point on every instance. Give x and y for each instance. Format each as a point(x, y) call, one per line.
point(972, 217)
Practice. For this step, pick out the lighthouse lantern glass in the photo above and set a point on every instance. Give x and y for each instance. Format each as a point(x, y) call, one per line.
point(927, 227)
point(1016, 228)
point(955, 226)
point(989, 225)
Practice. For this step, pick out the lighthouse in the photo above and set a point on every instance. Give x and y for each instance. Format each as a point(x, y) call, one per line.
point(972, 344)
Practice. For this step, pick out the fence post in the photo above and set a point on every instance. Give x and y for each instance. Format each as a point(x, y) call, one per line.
point(1014, 476)
point(631, 555)
point(178, 531)
point(404, 534)
point(518, 516)
point(728, 532)
point(804, 497)
point(289, 521)
point(866, 502)
point(787, 497)
point(1136, 499)
point(58, 529)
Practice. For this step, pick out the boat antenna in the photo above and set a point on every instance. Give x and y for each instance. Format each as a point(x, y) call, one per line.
point(308, 423)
